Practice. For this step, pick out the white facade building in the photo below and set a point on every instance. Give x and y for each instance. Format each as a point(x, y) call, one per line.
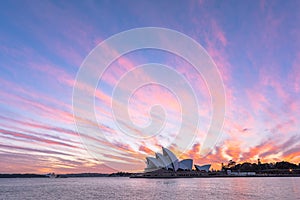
point(168, 160)
point(202, 168)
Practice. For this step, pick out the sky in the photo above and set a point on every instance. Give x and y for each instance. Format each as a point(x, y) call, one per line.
point(255, 46)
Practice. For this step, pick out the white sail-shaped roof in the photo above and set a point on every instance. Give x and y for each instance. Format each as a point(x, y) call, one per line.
point(203, 167)
point(153, 163)
point(186, 164)
point(162, 159)
point(168, 160)
point(171, 158)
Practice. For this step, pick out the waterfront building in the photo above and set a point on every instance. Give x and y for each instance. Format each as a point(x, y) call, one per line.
point(168, 161)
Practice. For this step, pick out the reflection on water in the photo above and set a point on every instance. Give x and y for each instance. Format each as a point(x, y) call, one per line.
point(125, 188)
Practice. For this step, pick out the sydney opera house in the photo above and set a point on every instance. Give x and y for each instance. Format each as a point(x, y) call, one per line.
point(168, 161)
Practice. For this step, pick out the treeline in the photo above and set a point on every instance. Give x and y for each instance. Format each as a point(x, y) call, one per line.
point(22, 176)
point(259, 167)
point(83, 175)
point(120, 174)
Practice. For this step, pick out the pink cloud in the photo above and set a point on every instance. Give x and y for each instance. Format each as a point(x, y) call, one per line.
point(220, 35)
point(19, 135)
point(37, 108)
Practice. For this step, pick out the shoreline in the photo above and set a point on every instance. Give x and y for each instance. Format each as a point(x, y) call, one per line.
point(170, 175)
point(215, 176)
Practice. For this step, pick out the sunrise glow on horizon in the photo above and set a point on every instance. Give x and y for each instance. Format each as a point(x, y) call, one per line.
point(255, 46)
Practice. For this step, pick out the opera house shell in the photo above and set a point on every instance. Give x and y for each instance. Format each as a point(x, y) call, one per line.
point(167, 160)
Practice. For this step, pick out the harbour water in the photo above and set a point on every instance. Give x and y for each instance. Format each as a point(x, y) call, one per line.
point(126, 188)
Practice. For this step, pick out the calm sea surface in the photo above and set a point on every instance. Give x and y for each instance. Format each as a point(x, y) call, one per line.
point(125, 188)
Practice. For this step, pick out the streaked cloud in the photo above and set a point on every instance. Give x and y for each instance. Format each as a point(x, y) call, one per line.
point(43, 45)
